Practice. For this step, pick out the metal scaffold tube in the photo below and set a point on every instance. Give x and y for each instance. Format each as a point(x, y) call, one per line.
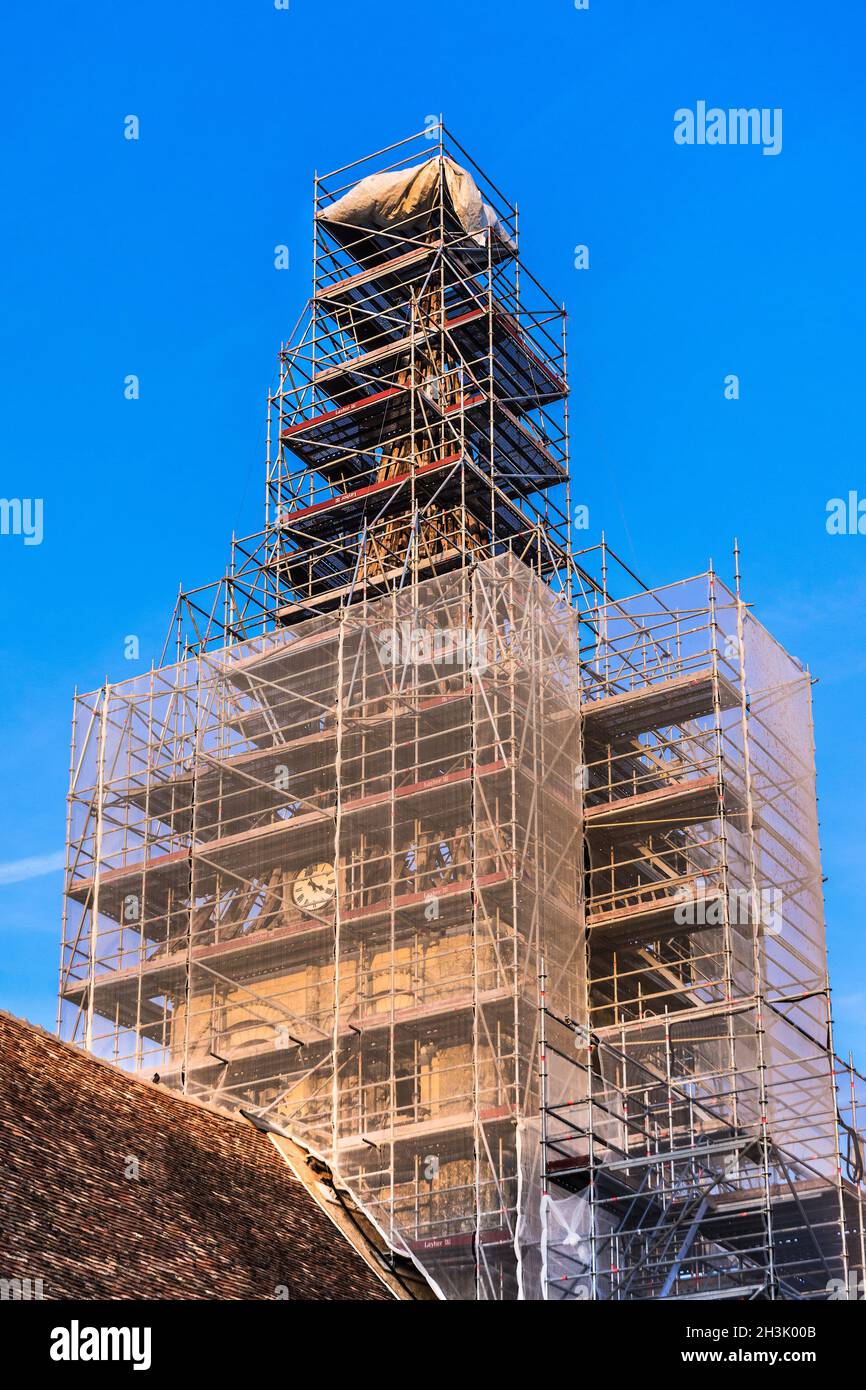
point(488, 872)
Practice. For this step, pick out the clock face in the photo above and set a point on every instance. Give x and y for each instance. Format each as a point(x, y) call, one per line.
point(314, 887)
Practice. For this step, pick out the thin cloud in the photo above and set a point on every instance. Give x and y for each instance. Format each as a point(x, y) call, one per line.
point(17, 870)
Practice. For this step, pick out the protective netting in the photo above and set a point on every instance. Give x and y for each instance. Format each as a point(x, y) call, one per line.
point(333, 865)
point(526, 941)
point(801, 1102)
point(696, 1155)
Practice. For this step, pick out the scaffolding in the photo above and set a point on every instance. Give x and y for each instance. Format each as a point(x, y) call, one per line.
point(486, 872)
point(706, 1162)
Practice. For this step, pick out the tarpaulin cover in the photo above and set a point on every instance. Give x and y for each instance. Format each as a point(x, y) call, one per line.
point(408, 199)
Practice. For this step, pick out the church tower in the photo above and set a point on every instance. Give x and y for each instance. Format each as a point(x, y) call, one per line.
point(428, 849)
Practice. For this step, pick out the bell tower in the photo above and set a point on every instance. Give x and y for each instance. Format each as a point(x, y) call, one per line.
point(483, 870)
point(335, 845)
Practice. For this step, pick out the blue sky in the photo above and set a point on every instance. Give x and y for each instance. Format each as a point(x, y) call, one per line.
point(156, 257)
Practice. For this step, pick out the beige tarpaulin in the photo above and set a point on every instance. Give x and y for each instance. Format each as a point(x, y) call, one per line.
point(407, 200)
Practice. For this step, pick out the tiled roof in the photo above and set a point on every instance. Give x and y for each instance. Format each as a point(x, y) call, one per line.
point(111, 1188)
